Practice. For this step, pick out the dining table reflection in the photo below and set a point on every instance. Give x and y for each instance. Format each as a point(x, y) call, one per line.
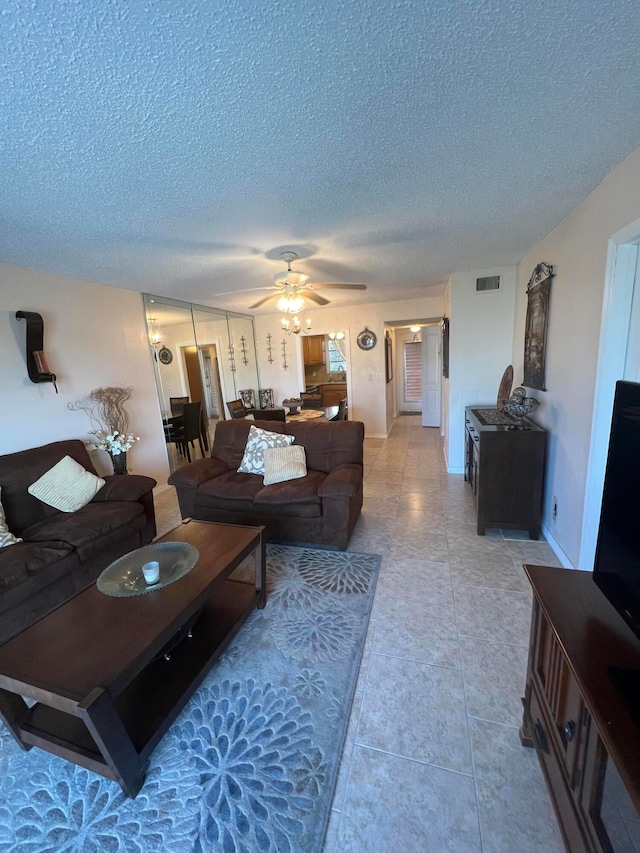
point(313, 415)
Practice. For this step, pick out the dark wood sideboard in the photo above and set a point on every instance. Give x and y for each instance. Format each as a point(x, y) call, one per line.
point(504, 465)
point(586, 738)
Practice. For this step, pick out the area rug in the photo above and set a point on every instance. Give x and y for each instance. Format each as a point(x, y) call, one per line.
point(250, 765)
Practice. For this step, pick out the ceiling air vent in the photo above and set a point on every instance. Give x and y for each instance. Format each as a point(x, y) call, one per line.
point(489, 282)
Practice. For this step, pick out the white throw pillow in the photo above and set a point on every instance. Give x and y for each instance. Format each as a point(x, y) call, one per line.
point(6, 536)
point(67, 486)
point(257, 442)
point(284, 463)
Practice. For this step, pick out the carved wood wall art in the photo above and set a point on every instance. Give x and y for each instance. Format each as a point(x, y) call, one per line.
point(37, 366)
point(535, 333)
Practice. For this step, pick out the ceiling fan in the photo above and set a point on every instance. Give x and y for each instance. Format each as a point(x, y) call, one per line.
point(292, 285)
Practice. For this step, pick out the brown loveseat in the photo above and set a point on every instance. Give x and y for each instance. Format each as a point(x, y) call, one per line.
point(63, 552)
point(321, 508)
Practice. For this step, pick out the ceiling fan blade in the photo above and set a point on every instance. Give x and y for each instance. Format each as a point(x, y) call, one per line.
point(244, 290)
point(315, 297)
point(262, 301)
point(336, 285)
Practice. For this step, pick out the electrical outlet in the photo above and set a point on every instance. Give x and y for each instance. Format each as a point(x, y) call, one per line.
point(554, 511)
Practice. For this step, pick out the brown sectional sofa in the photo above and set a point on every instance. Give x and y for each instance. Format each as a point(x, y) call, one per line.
point(320, 509)
point(62, 553)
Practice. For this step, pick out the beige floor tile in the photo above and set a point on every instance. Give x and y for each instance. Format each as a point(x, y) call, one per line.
point(397, 805)
point(417, 711)
point(513, 803)
point(494, 680)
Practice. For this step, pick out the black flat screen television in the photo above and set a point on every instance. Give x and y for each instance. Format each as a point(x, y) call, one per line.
point(617, 563)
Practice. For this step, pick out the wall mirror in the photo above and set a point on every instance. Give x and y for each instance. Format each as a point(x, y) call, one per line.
point(200, 355)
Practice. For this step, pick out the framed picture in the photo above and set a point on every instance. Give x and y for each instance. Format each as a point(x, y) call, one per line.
point(265, 396)
point(444, 325)
point(248, 397)
point(535, 332)
point(388, 354)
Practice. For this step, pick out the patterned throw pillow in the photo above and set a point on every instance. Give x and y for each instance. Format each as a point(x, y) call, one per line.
point(67, 486)
point(257, 442)
point(284, 463)
point(6, 536)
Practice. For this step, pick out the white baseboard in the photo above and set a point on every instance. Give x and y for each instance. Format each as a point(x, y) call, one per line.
point(557, 550)
point(376, 435)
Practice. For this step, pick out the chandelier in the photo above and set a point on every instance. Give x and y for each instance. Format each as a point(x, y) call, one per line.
point(293, 326)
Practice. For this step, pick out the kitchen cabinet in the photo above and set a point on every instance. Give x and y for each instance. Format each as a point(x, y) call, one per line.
point(333, 392)
point(313, 349)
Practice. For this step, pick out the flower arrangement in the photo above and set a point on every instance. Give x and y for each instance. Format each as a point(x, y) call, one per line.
point(106, 412)
point(114, 443)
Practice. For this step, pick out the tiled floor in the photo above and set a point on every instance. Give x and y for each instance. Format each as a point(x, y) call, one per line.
point(432, 760)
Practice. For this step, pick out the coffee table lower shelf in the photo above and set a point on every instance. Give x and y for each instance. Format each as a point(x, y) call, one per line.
point(116, 738)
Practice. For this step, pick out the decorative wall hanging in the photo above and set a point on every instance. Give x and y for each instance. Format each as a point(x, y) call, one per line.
point(165, 356)
point(265, 396)
point(366, 339)
point(504, 389)
point(535, 333)
point(285, 366)
point(270, 356)
point(232, 358)
point(37, 366)
point(243, 349)
point(444, 325)
point(388, 357)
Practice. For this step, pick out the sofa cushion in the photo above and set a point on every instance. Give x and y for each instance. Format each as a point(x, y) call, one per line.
point(284, 463)
point(292, 497)
point(6, 536)
point(231, 489)
point(67, 486)
point(17, 472)
point(89, 529)
point(257, 442)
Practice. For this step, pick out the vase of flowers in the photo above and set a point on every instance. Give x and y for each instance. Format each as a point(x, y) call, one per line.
point(105, 408)
point(116, 444)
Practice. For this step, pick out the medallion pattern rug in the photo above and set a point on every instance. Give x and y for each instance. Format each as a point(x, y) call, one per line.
point(251, 764)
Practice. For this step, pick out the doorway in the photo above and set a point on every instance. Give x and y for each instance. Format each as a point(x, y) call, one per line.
point(618, 358)
point(418, 369)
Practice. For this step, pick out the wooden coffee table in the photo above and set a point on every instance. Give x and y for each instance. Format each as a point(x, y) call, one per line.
point(110, 675)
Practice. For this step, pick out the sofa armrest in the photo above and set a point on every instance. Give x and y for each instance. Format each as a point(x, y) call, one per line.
point(124, 488)
point(190, 476)
point(343, 481)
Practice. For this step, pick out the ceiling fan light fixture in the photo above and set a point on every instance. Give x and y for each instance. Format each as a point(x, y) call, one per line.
point(291, 303)
point(291, 277)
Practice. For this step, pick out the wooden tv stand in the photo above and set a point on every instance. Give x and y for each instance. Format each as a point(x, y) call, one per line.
point(587, 741)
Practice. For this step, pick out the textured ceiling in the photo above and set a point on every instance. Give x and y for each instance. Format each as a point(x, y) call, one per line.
point(178, 148)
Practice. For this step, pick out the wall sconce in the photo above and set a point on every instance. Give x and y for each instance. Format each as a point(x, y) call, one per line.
point(154, 334)
point(336, 336)
point(415, 330)
point(293, 327)
point(37, 366)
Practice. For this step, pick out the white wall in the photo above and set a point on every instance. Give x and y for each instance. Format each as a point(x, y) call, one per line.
point(577, 249)
point(366, 369)
point(480, 348)
point(93, 336)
